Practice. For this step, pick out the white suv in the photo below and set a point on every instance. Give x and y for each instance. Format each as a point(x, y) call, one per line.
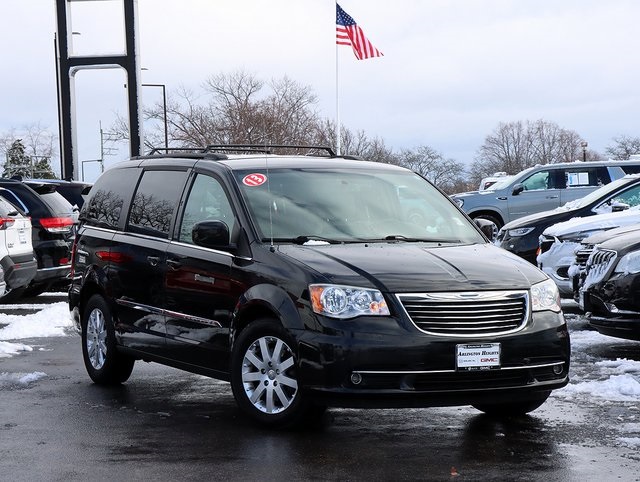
point(16, 252)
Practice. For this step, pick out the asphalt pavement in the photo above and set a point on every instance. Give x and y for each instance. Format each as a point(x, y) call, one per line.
point(165, 424)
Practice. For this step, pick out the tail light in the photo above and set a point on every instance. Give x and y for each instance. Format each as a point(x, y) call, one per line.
point(6, 222)
point(57, 225)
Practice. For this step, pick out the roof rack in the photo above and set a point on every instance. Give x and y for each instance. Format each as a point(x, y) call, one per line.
point(246, 148)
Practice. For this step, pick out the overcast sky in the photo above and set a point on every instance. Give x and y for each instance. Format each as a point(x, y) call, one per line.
point(452, 69)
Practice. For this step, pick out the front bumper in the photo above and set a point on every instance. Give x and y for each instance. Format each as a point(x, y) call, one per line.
point(619, 327)
point(419, 370)
point(524, 246)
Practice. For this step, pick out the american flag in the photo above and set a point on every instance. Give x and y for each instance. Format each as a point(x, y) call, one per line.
point(348, 33)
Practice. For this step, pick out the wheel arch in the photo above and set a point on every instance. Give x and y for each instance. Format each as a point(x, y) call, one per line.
point(488, 212)
point(265, 301)
point(94, 284)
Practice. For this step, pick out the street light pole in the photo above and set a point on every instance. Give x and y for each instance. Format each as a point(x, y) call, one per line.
point(164, 104)
point(584, 151)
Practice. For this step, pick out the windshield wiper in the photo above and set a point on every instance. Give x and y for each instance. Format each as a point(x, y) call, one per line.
point(307, 238)
point(400, 237)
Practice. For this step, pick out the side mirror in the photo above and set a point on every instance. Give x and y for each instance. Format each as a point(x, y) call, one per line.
point(617, 207)
point(517, 189)
point(488, 228)
point(211, 234)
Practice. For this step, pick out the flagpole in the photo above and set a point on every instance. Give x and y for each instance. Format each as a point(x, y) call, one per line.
point(337, 101)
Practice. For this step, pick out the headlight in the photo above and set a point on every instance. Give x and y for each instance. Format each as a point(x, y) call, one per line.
point(515, 233)
point(342, 302)
point(458, 201)
point(545, 296)
point(629, 263)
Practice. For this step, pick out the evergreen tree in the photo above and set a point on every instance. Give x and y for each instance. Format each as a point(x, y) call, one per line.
point(20, 164)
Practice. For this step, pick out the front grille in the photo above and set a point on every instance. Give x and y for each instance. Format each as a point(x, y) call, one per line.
point(467, 314)
point(598, 265)
point(582, 255)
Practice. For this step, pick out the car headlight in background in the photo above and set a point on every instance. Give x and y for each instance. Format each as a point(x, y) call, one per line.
point(342, 302)
point(459, 202)
point(629, 263)
point(517, 232)
point(545, 296)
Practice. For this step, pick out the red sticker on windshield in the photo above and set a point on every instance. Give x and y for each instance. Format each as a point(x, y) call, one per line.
point(253, 180)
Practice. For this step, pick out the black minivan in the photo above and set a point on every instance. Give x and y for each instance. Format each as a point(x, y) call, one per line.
point(307, 282)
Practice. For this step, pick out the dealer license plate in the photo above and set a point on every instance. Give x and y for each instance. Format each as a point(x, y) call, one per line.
point(480, 356)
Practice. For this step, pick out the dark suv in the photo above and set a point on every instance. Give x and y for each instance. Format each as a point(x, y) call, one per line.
point(305, 282)
point(51, 219)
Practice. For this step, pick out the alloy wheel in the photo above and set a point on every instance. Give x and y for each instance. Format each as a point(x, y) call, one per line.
point(268, 375)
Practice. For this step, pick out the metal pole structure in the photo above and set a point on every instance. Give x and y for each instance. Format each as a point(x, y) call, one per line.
point(68, 66)
point(164, 105)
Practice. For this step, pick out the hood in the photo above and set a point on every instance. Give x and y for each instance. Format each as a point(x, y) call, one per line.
point(484, 192)
point(418, 267)
point(599, 222)
point(623, 243)
point(601, 237)
point(545, 217)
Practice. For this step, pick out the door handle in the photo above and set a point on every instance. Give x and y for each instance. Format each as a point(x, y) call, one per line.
point(153, 260)
point(173, 264)
point(552, 197)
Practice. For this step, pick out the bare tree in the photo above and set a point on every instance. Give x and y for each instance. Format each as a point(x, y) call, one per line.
point(447, 174)
point(623, 148)
point(515, 146)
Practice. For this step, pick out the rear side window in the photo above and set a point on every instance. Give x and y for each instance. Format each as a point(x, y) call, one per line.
point(586, 177)
point(631, 169)
point(27, 200)
point(155, 201)
point(110, 193)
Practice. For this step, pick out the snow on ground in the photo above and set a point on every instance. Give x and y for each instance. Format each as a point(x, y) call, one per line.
point(52, 320)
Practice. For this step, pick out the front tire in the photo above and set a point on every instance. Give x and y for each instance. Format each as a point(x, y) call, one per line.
point(513, 408)
point(104, 363)
point(264, 376)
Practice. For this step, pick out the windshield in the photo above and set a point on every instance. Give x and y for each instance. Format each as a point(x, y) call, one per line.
point(351, 205)
point(501, 184)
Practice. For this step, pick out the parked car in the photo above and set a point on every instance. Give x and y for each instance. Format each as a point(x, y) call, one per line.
point(541, 188)
point(557, 243)
point(17, 261)
point(73, 191)
point(51, 219)
point(577, 270)
point(610, 292)
point(521, 236)
point(488, 181)
point(302, 281)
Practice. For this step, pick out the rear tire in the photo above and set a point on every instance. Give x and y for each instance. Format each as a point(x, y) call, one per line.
point(264, 377)
point(35, 290)
point(104, 363)
point(513, 408)
point(11, 295)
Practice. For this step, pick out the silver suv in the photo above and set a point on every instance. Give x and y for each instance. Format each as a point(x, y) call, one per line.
point(541, 188)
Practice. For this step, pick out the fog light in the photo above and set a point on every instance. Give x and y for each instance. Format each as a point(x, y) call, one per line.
point(557, 369)
point(356, 378)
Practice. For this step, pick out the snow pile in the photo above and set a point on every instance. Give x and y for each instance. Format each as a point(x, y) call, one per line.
point(617, 381)
point(52, 320)
point(12, 379)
